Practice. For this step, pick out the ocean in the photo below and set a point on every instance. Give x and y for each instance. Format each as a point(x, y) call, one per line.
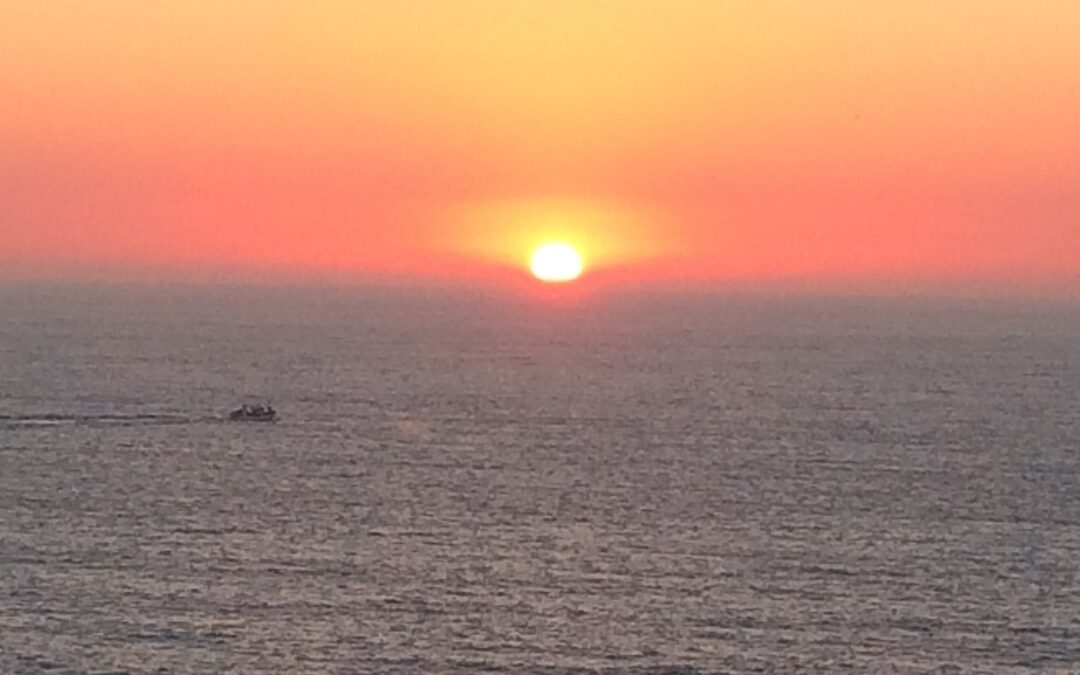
point(465, 482)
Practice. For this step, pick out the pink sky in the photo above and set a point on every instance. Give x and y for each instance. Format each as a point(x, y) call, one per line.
point(834, 142)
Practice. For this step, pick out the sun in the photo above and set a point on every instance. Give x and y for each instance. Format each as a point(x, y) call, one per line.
point(556, 263)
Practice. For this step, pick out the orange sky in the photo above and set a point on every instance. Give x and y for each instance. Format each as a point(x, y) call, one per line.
point(852, 141)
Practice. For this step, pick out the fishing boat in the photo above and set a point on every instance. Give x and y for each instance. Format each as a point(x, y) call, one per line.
point(254, 413)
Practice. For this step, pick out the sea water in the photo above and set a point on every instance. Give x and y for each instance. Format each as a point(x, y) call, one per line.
point(482, 482)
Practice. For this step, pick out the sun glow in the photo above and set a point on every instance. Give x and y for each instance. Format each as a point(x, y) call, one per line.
point(556, 263)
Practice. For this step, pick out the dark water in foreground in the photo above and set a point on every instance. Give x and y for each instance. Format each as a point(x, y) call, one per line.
point(465, 484)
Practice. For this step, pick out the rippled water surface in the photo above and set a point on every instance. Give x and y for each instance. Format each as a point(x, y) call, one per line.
point(466, 484)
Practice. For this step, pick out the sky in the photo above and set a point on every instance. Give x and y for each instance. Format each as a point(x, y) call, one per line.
point(906, 144)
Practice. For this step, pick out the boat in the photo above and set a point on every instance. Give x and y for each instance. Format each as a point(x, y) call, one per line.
point(254, 413)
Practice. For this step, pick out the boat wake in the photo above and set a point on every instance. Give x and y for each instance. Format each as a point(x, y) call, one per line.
point(63, 419)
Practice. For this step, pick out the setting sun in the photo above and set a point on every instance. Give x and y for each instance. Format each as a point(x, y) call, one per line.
point(556, 263)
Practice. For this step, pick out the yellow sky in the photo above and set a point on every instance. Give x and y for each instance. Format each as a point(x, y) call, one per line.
point(735, 139)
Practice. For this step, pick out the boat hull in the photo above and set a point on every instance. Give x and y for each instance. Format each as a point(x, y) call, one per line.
point(242, 416)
